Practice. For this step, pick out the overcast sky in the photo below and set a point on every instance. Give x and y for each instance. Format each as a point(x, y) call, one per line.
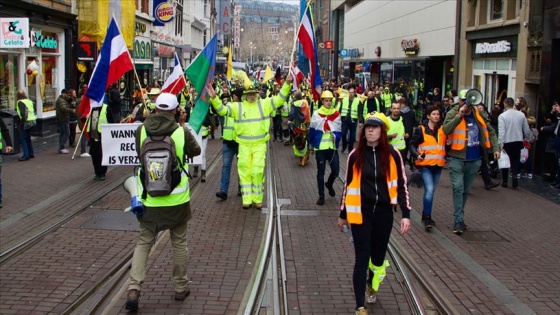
point(295, 2)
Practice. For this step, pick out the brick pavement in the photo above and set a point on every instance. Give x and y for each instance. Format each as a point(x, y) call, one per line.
point(505, 264)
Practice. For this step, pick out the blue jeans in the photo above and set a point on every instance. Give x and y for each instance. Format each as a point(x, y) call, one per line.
point(323, 157)
point(26, 145)
point(227, 158)
point(462, 174)
point(64, 134)
point(430, 176)
point(348, 127)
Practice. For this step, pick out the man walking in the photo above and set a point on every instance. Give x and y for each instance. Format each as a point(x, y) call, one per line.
point(324, 136)
point(26, 114)
point(512, 130)
point(349, 116)
point(397, 133)
point(167, 212)
point(470, 138)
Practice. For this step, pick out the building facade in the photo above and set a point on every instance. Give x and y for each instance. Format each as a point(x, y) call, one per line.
point(42, 66)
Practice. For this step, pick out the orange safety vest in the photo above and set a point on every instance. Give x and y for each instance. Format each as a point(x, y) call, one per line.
point(433, 149)
point(353, 200)
point(459, 135)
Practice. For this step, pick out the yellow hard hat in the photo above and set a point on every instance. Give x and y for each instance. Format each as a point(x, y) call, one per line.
point(376, 119)
point(327, 94)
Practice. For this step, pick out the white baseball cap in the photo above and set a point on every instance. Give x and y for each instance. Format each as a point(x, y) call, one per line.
point(166, 101)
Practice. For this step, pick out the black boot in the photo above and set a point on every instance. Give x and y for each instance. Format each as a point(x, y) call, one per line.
point(427, 220)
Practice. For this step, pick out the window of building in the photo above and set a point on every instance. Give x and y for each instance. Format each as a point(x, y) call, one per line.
point(9, 79)
point(518, 5)
point(496, 10)
point(205, 8)
point(273, 29)
point(145, 6)
point(179, 18)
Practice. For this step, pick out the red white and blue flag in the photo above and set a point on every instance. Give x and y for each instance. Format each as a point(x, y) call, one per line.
point(297, 75)
point(176, 80)
point(306, 36)
point(113, 62)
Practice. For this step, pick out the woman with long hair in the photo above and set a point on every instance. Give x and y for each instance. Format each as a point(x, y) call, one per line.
point(427, 146)
point(375, 183)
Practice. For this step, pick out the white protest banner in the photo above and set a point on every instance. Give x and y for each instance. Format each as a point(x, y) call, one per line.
point(119, 147)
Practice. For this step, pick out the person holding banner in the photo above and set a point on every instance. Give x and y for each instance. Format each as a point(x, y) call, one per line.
point(252, 129)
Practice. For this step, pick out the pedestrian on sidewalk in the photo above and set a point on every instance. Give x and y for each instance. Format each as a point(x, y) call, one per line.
point(427, 146)
point(375, 183)
point(4, 135)
point(470, 137)
point(73, 121)
point(63, 110)
point(99, 116)
point(26, 114)
point(325, 131)
point(168, 212)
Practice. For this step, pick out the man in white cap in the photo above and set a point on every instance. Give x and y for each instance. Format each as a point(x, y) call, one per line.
point(168, 212)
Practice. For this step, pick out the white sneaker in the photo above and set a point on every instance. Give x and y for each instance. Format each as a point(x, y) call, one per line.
point(63, 151)
point(529, 175)
point(85, 154)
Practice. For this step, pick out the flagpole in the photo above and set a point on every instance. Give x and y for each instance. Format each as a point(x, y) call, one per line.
point(81, 135)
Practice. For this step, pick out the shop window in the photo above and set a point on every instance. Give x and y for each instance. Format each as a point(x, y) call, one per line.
point(490, 64)
point(496, 10)
point(502, 64)
point(514, 65)
point(48, 82)
point(479, 64)
point(9, 78)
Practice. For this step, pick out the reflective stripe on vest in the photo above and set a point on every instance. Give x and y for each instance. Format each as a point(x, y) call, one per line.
point(398, 128)
point(459, 135)
point(434, 150)
point(244, 126)
point(353, 110)
point(353, 199)
point(181, 193)
point(30, 110)
point(227, 128)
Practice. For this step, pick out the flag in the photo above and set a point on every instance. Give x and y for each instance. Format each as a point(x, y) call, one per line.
point(268, 74)
point(112, 63)
point(201, 72)
point(297, 75)
point(176, 80)
point(229, 73)
point(306, 36)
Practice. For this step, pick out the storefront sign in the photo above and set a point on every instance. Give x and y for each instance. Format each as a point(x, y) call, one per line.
point(14, 33)
point(142, 49)
point(165, 51)
point(329, 44)
point(44, 40)
point(225, 16)
point(163, 12)
point(140, 28)
point(495, 47)
point(410, 46)
point(86, 51)
point(349, 53)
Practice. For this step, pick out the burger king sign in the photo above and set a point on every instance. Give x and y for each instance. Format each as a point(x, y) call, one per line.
point(163, 12)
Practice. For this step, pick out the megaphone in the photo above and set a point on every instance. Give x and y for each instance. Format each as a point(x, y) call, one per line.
point(131, 187)
point(474, 97)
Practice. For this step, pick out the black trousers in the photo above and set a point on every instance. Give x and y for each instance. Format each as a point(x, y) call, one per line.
point(513, 150)
point(370, 240)
point(96, 153)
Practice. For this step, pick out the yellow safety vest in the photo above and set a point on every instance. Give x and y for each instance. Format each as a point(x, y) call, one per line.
point(353, 198)
point(102, 119)
point(433, 150)
point(353, 110)
point(387, 99)
point(227, 129)
point(398, 128)
point(181, 193)
point(459, 135)
point(30, 110)
point(183, 102)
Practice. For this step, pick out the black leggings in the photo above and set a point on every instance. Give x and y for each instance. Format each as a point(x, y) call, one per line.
point(370, 240)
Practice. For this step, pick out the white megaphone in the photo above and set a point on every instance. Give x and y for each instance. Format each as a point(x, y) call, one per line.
point(474, 97)
point(131, 187)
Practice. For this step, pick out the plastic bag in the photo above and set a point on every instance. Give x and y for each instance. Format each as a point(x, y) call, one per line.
point(524, 155)
point(503, 161)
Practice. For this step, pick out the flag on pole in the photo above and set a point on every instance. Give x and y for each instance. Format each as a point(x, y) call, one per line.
point(113, 62)
point(306, 36)
point(297, 75)
point(176, 80)
point(229, 73)
point(268, 74)
point(201, 72)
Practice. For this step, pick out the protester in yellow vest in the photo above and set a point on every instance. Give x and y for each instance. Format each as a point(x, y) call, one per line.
point(252, 131)
point(375, 183)
point(469, 137)
point(26, 114)
point(427, 146)
point(349, 116)
point(398, 134)
point(168, 212)
point(99, 116)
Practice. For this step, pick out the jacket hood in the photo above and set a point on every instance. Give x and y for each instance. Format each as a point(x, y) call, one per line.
point(160, 124)
point(405, 109)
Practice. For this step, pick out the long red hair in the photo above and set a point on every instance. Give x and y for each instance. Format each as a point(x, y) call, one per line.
point(383, 148)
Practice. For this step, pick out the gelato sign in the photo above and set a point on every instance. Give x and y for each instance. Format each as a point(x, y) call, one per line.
point(14, 33)
point(502, 46)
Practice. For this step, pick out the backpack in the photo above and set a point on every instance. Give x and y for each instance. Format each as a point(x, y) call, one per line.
point(160, 168)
